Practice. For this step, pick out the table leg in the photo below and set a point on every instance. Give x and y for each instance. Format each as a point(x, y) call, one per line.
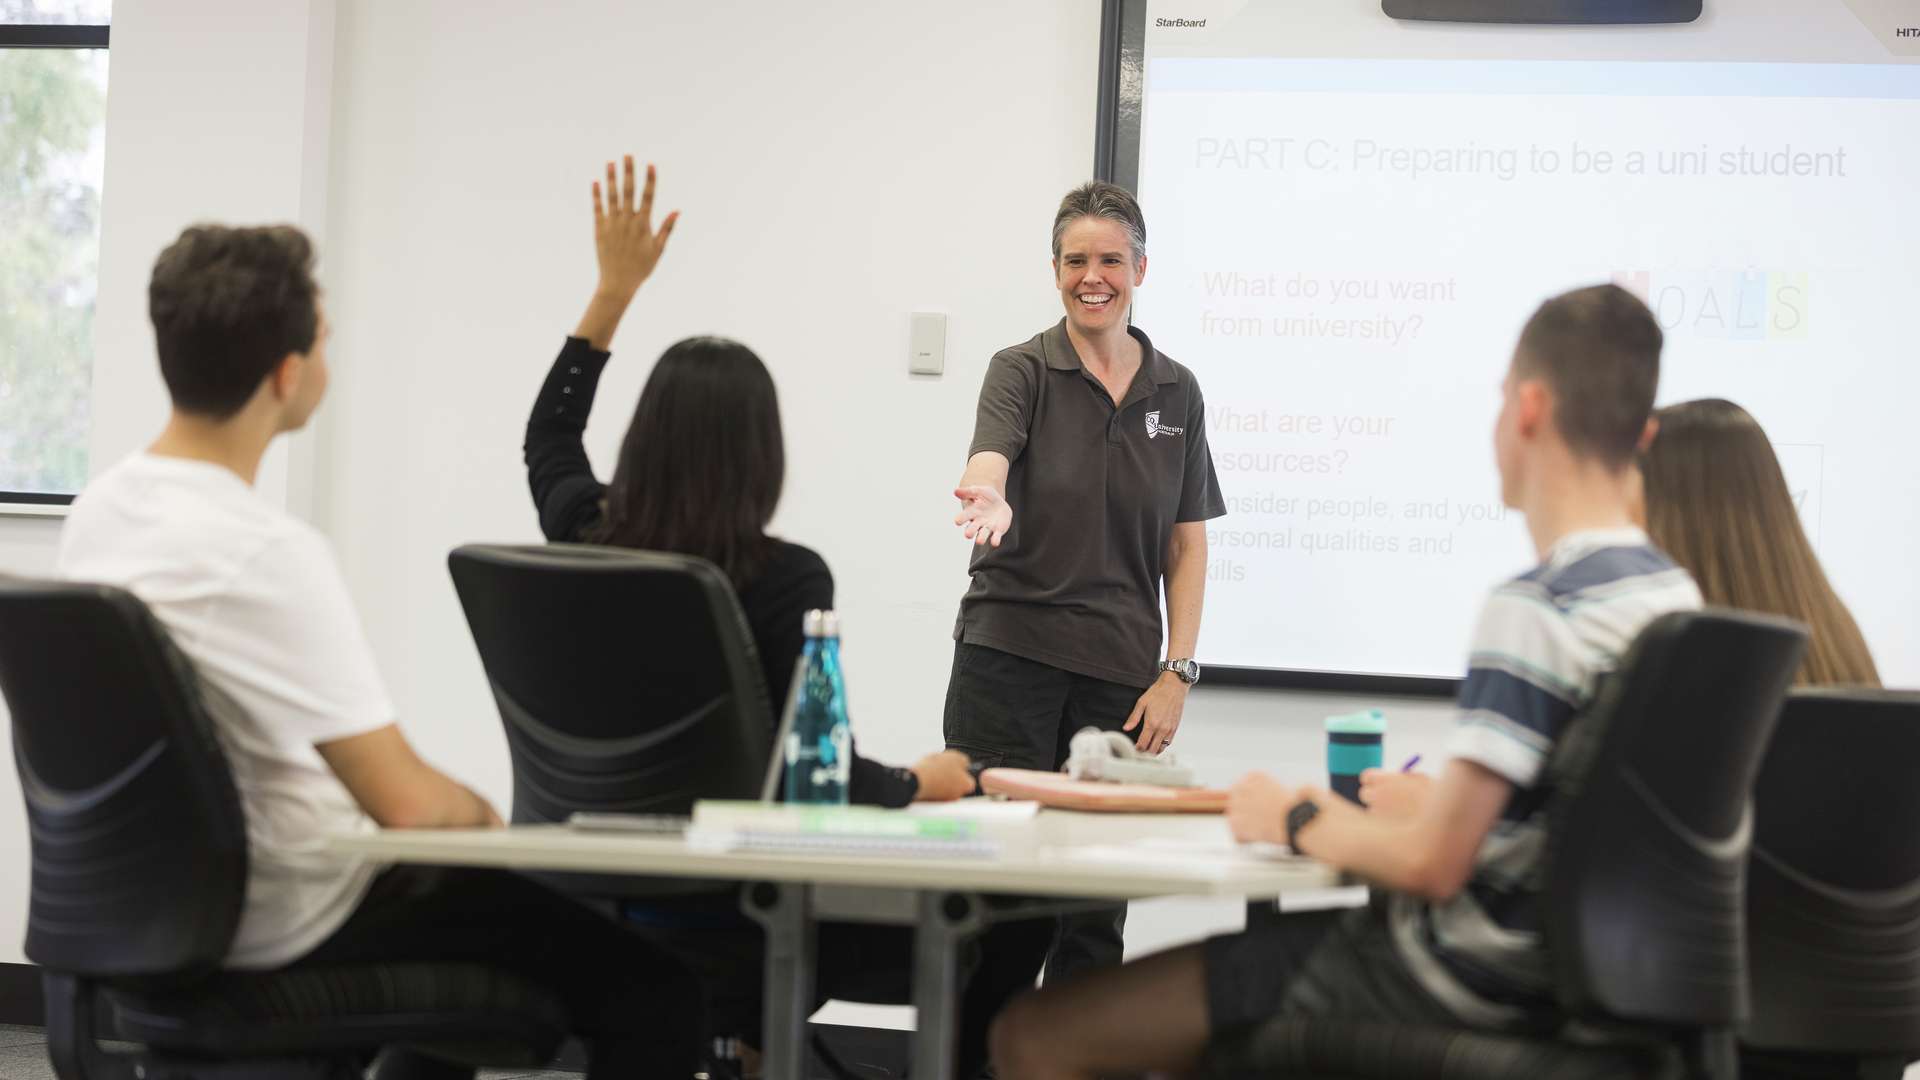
point(946, 920)
point(784, 911)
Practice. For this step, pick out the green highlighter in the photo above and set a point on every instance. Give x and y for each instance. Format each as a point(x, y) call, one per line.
point(1354, 744)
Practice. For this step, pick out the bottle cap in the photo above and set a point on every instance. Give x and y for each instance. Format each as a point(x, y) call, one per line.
point(822, 623)
point(1365, 722)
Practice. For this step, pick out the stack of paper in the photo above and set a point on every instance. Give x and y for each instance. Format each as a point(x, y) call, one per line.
point(841, 830)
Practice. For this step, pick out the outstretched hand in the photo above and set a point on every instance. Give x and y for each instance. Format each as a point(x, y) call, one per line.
point(985, 516)
point(624, 239)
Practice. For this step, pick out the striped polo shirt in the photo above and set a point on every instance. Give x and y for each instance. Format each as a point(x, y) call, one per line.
point(1543, 643)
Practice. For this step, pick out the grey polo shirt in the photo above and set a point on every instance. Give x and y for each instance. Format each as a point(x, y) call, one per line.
point(1095, 491)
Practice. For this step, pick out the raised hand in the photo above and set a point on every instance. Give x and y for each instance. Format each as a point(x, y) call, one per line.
point(627, 247)
point(624, 239)
point(985, 516)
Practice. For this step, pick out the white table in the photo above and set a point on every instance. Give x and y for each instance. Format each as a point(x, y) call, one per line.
point(1059, 860)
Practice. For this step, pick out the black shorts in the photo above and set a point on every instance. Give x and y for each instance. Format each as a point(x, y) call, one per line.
point(1007, 710)
point(1318, 963)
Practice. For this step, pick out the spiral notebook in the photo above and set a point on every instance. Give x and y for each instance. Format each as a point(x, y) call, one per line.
point(838, 844)
point(838, 830)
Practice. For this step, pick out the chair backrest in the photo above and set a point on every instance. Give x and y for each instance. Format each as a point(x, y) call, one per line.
point(1833, 891)
point(627, 680)
point(1652, 817)
point(138, 837)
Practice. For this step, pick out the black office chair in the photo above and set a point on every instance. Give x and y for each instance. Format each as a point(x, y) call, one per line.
point(139, 869)
point(627, 680)
point(1833, 889)
point(1646, 858)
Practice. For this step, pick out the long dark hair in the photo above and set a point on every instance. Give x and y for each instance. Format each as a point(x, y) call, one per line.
point(1718, 503)
point(703, 461)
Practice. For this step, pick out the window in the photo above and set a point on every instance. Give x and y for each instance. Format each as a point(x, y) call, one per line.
point(53, 97)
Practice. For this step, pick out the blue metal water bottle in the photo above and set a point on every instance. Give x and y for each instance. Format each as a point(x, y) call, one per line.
point(819, 751)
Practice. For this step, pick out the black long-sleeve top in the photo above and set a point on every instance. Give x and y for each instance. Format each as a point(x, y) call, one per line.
point(792, 580)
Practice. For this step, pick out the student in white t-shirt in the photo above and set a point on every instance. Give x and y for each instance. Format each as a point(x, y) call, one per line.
point(252, 596)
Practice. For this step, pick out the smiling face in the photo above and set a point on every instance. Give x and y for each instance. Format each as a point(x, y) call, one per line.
point(1096, 274)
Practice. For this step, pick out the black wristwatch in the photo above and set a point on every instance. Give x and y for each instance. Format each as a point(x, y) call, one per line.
point(1188, 671)
point(1297, 818)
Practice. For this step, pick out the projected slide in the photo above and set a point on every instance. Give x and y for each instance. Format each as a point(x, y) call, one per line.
point(1350, 217)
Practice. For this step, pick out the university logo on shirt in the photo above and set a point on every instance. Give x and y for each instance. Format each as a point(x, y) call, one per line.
point(1155, 427)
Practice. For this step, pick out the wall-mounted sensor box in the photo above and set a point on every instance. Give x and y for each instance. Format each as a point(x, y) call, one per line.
point(927, 344)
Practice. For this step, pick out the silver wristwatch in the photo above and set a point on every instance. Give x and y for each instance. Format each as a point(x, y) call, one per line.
point(1188, 671)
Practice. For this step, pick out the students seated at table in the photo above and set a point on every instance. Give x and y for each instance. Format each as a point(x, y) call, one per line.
point(253, 598)
point(700, 471)
point(1457, 940)
point(1717, 502)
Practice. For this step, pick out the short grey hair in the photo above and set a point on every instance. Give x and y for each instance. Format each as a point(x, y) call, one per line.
point(1097, 198)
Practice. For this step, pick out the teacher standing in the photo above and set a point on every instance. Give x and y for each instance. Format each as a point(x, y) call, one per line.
point(1086, 491)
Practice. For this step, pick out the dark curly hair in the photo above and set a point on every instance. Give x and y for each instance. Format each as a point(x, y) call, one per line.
point(228, 304)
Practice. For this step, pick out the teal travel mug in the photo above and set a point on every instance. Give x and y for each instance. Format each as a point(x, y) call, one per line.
point(1353, 746)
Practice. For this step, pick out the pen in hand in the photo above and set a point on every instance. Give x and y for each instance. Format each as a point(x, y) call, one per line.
point(1411, 762)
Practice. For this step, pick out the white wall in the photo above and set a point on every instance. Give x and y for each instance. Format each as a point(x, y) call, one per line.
point(837, 169)
point(216, 110)
point(26, 550)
